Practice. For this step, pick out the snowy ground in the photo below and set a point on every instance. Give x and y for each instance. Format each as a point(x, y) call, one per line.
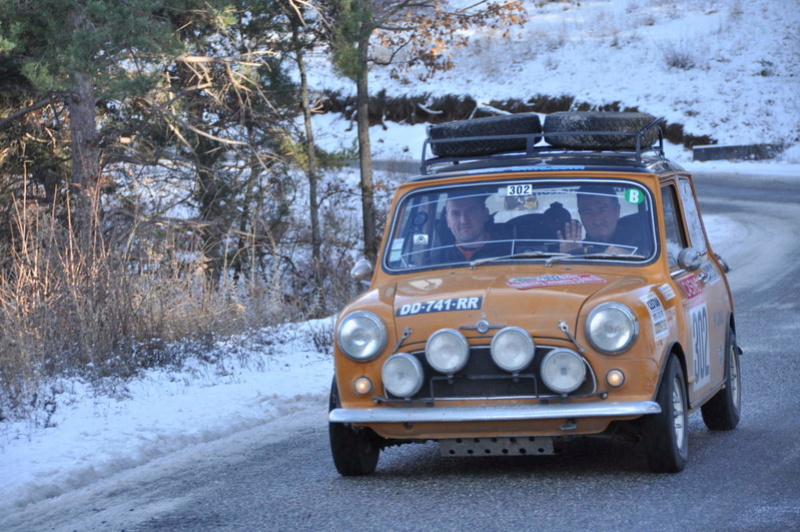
point(265, 377)
point(744, 89)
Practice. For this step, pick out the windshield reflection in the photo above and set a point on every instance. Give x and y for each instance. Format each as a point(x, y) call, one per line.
point(521, 220)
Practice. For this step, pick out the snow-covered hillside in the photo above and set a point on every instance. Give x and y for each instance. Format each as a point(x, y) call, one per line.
point(741, 86)
point(727, 69)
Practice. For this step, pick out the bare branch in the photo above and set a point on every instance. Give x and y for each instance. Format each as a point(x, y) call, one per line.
point(202, 59)
point(5, 122)
point(396, 51)
point(429, 111)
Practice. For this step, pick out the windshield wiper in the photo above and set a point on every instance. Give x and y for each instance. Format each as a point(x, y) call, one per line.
point(567, 256)
point(524, 255)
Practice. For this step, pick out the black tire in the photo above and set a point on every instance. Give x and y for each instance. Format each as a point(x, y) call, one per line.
point(666, 435)
point(519, 124)
point(576, 122)
point(355, 450)
point(722, 412)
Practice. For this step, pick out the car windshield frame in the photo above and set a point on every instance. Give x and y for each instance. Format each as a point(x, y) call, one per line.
point(420, 237)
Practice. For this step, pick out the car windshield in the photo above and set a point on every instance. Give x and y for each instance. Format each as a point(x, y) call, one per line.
point(522, 220)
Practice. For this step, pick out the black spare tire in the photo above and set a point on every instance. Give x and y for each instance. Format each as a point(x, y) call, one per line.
point(520, 124)
point(595, 122)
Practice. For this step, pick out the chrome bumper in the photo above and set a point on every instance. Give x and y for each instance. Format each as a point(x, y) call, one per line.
point(387, 414)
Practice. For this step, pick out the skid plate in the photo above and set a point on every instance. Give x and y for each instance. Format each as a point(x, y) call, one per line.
point(515, 446)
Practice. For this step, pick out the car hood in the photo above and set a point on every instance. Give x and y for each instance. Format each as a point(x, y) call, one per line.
point(536, 301)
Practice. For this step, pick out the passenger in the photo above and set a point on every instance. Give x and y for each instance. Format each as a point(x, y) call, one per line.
point(599, 210)
point(468, 220)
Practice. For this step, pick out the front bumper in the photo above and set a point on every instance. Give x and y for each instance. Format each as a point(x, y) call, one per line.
point(491, 413)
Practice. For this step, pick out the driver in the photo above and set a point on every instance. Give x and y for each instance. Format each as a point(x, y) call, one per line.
point(599, 210)
point(468, 219)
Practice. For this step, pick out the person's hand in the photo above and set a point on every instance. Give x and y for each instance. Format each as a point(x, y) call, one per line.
point(571, 236)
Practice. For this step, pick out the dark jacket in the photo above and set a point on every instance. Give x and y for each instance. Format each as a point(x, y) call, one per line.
point(629, 233)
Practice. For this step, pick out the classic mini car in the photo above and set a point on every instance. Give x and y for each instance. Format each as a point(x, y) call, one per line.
point(538, 282)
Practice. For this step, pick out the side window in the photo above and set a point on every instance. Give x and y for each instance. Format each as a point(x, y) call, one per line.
point(692, 214)
point(412, 234)
point(676, 239)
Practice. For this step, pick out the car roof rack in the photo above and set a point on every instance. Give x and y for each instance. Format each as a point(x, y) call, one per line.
point(536, 145)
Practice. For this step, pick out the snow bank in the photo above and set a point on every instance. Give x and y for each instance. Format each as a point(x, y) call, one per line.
point(258, 379)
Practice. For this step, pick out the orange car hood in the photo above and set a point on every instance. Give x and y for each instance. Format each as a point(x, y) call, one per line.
point(534, 301)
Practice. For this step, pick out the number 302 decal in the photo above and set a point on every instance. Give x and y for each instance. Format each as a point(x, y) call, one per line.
point(702, 360)
point(519, 190)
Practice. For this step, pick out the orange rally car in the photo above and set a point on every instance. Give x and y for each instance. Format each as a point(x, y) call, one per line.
point(538, 282)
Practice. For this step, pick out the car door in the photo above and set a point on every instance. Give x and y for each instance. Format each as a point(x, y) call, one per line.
point(709, 322)
point(703, 297)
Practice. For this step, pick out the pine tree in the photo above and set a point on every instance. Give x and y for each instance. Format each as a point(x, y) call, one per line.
point(77, 52)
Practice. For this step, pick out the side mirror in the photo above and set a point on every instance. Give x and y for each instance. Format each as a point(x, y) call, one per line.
point(724, 263)
point(689, 259)
point(362, 272)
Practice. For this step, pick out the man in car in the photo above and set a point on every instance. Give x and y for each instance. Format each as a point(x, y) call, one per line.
point(599, 210)
point(468, 220)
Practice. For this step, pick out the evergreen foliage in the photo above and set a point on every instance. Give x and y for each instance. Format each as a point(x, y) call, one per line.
point(121, 44)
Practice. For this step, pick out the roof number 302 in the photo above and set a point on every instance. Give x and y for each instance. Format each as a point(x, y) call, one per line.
point(519, 190)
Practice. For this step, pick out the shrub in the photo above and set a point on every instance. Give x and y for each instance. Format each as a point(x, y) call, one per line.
point(678, 56)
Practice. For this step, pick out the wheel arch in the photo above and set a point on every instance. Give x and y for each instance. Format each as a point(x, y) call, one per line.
point(673, 349)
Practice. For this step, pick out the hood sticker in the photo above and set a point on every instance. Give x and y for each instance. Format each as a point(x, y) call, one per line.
point(657, 316)
point(524, 283)
point(667, 291)
point(440, 305)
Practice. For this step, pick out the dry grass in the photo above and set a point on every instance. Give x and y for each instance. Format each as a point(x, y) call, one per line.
point(98, 313)
point(678, 55)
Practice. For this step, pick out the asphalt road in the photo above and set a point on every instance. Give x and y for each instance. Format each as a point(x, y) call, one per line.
point(747, 479)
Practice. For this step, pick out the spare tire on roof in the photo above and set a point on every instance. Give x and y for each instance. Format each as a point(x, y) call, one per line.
point(519, 124)
point(594, 122)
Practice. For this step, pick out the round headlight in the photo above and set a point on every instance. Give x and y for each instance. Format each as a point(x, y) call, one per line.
point(513, 349)
point(611, 328)
point(402, 375)
point(563, 371)
point(361, 336)
point(447, 351)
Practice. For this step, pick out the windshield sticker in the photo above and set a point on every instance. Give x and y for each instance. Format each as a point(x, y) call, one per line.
point(440, 305)
point(634, 196)
point(524, 283)
point(528, 202)
point(519, 190)
point(657, 316)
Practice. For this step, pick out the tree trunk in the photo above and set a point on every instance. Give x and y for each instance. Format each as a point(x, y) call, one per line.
point(85, 155)
point(312, 172)
point(364, 151)
point(210, 195)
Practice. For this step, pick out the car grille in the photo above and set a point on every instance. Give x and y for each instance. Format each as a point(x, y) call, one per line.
point(482, 379)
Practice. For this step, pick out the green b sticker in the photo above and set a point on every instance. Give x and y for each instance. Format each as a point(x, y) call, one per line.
point(634, 196)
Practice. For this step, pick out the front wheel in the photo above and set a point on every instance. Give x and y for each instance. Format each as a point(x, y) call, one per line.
point(666, 435)
point(355, 449)
point(722, 411)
